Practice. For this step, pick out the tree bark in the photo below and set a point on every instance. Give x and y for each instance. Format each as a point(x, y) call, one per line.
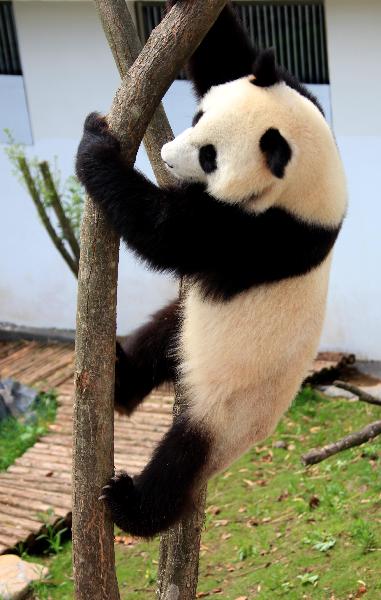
point(179, 554)
point(180, 546)
point(172, 42)
point(125, 46)
point(357, 438)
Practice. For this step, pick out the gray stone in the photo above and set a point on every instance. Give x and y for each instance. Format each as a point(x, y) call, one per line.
point(16, 399)
point(280, 444)
point(16, 575)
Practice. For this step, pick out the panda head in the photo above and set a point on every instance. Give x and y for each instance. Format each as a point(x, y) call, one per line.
point(256, 142)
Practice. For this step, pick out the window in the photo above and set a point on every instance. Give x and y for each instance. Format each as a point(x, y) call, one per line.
point(9, 52)
point(13, 106)
point(295, 29)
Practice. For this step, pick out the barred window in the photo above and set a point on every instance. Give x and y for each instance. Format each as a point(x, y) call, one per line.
point(9, 53)
point(295, 29)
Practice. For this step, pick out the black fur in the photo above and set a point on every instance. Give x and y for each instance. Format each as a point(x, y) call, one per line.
point(197, 117)
point(265, 70)
point(146, 358)
point(277, 150)
point(187, 232)
point(226, 54)
point(208, 158)
point(163, 492)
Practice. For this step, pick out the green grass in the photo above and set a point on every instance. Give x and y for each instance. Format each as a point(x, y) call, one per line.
point(17, 436)
point(273, 528)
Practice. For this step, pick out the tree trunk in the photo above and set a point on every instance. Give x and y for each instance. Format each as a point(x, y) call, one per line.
point(179, 555)
point(172, 42)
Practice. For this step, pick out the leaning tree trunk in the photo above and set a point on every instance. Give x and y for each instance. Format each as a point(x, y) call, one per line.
point(172, 42)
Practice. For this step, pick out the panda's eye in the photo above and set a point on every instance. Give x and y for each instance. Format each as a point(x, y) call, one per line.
point(208, 158)
point(197, 117)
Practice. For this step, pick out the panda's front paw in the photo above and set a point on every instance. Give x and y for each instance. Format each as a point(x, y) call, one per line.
point(96, 131)
point(97, 148)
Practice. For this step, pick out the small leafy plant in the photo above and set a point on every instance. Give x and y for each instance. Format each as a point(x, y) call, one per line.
point(52, 534)
point(59, 206)
point(17, 436)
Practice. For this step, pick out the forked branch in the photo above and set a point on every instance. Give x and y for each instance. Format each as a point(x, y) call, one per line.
point(169, 46)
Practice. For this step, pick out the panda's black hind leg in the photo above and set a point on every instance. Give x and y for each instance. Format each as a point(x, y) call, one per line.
point(157, 498)
point(146, 358)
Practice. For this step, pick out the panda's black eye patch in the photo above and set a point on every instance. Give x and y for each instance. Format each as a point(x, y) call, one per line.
point(197, 117)
point(208, 158)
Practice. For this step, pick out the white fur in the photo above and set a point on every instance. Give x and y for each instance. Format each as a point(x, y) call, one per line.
point(236, 115)
point(243, 360)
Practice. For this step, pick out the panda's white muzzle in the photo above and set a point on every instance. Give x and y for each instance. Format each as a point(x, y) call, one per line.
point(182, 158)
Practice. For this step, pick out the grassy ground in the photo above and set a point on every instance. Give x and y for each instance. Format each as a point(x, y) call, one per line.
point(17, 436)
point(275, 529)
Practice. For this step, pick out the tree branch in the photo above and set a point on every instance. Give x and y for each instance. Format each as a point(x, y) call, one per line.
point(55, 199)
point(169, 46)
point(34, 194)
point(125, 46)
point(362, 395)
point(350, 441)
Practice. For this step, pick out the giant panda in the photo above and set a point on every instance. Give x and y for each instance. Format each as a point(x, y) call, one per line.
point(260, 200)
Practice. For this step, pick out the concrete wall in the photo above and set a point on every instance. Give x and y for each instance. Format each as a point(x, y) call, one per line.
point(68, 71)
point(354, 49)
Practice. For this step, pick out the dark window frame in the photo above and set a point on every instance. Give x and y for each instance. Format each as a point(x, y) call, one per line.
point(295, 28)
point(10, 63)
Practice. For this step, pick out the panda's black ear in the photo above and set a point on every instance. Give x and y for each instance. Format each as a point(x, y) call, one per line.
point(265, 69)
point(277, 151)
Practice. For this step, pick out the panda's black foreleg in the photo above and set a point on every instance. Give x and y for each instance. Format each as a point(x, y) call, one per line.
point(146, 358)
point(157, 498)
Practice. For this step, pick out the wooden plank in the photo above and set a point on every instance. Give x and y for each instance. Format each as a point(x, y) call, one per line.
point(7, 542)
point(48, 473)
point(49, 465)
point(40, 359)
point(59, 459)
point(53, 449)
point(10, 533)
point(49, 484)
point(35, 506)
point(8, 348)
point(16, 522)
point(61, 377)
point(9, 364)
point(25, 512)
point(32, 492)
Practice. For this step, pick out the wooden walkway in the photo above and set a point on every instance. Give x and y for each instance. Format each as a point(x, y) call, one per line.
point(40, 480)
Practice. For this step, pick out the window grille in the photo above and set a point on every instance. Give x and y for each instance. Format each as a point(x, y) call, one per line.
point(9, 53)
point(295, 29)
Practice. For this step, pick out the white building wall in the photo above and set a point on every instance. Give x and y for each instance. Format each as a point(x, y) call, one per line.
point(354, 50)
point(69, 70)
